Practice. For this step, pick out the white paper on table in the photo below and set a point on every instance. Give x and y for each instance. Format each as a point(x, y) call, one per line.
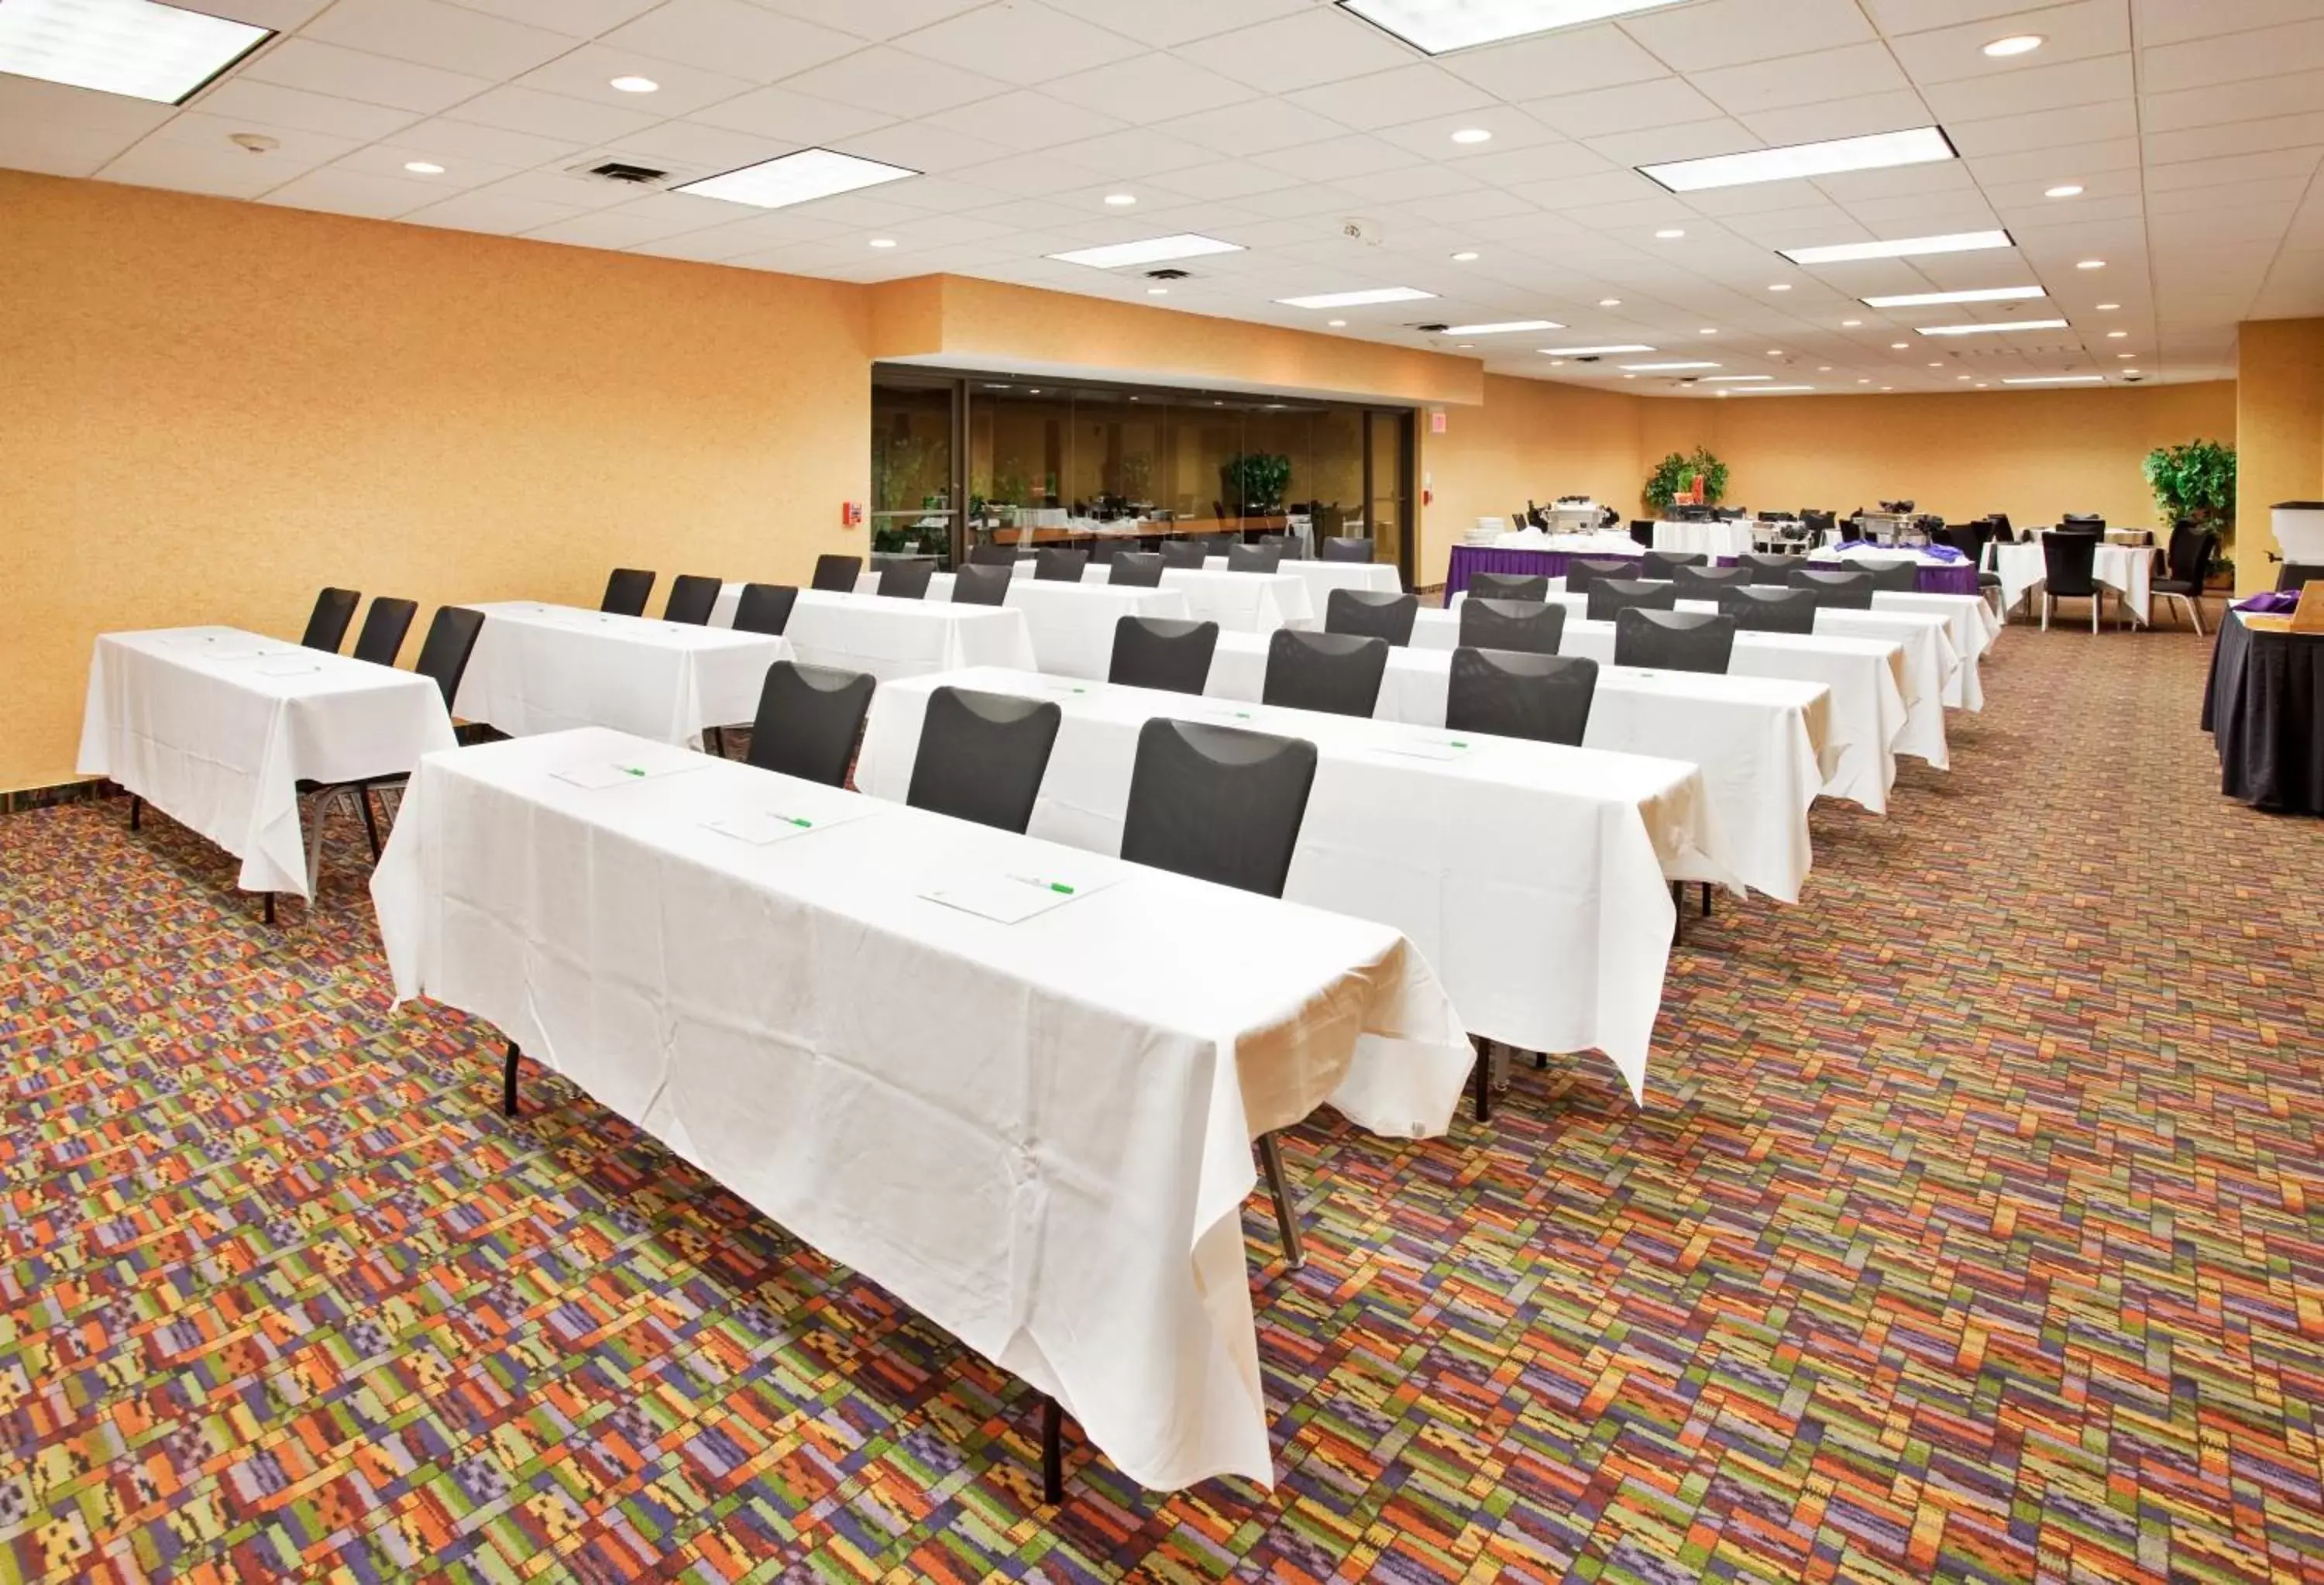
point(1430, 749)
point(764, 827)
point(1010, 899)
point(288, 667)
point(594, 775)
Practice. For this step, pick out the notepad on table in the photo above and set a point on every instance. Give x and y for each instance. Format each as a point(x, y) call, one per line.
point(763, 827)
point(1012, 898)
point(1427, 748)
point(594, 774)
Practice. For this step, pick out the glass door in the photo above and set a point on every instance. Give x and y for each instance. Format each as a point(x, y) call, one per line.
point(1387, 489)
point(913, 490)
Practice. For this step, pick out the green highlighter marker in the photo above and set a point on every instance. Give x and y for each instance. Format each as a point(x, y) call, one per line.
point(1058, 887)
point(633, 770)
point(792, 820)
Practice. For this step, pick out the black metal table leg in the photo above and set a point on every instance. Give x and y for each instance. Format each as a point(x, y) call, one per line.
point(1484, 1099)
point(1053, 1451)
point(371, 821)
point(507, 1082)
point(137, 812)
point(270, 907)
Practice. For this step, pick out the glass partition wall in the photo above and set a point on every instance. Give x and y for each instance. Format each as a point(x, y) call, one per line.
point(958, 462)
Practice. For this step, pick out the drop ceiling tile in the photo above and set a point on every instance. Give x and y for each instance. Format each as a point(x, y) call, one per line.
point(1026, 175)
point(2284, 190)
point(1571, 192)
point(337, 190)
point(1728, 33)
point(2049, 166)
point(1019, 42)
point(237, 98)
point(387, 160)
point(2174, 21)
point(1798, 80)
point(1133, 153)
point(1606, 112)
point(2259, 99)
point(1432, 138)
point(582, 19)
point(712, 245)
point(2239, 137)
point(687, 146)
point(1469, 208)
point(1308, 47)
point(500, 216)
point(1600, 56)
point(1417, 91)
point(1026, 120)
point(923, 147)
point(942, 195)
point(451, 142)
point(1858, 116)
point(60, 148)
point(1689, 140)
point(2095, 80)
point(1334, 157)
point(2045, 130)
point(883, 80)
point(2193, 173)
point(887, 20)
point(2233, 57)
point(551, 115)
point(354, 74)
point(731, 38)
point(790, 117)
point(2068, 32)
point(1227, 178)
point(431, 33)
point(1411, 182)
point(1549, 161)
point(620, 228)
point(2038, 211)
point(1258, 127)
point(27, 104)
point(205, 162)
point(1149, 88)
point(586, 72)
point(1166, 26)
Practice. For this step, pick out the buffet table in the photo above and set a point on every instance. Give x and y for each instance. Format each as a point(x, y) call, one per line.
point(2264, 710)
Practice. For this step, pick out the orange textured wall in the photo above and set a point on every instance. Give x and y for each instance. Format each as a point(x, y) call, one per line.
point(1530, 440)
point(2280, 431)
point(219, 407)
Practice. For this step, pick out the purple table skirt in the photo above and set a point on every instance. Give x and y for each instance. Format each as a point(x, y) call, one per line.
point(1469, 561)
point(1949, 580)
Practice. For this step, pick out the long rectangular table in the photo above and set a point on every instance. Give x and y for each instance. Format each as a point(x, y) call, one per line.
point(1763, 743)
point(1532, 875)
point(541, 669)
point(1321, 577)
point(1038, 1134)
point(2263, 706)
point(1071, 624)
point(892, 639)
point(216, 727)
point(1240, 601)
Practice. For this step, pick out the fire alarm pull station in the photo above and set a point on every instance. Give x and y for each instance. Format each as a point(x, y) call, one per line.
point(851, 514)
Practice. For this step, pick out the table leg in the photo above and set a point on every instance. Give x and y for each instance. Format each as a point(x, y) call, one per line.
point(507, 1082)
point(137, 812)
point(1270, 1155)
point(270, 907)
point(1484, 1099)
point(1053, 1451)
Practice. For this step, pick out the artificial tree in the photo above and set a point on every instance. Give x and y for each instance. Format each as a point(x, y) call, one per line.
point(1677, 473)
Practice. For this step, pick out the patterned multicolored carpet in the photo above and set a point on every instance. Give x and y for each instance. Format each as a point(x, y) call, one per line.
point(1974, 1228)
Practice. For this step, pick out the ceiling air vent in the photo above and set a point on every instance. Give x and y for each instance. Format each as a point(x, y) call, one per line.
point(1166, 275)
point(635, 175)
point(1432, 329)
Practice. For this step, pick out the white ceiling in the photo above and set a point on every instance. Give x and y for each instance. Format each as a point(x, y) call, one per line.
point(2194, 126)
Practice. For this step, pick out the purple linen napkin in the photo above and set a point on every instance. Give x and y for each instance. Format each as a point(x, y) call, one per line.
point(2274, 602)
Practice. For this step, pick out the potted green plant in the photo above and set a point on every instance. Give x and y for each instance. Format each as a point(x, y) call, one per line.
point(1677, 473)
point(2194, 482)
point(1256, 481)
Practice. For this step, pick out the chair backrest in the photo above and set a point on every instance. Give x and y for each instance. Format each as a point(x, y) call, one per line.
point(1642, 533)
point(1610, 596)
point(1367, 612)
point(1506, 586)
point(1767, 569)
point(907, 580)
point(1338, 673)
point(1254, 559)
point(1901, 574)
point(836, 575)
point(1968, 539)
point(326, 625)
point(2070, 565)
point(810, 719)
point(1660, 563)
point(385, 626)
point(2001, 528)
point(2298, 574)
point(1531, 626)
point(765, 608)
point(1058, 565)
point(2083, 520)
point(1135, 569)
point(1688, 580)
point(1759, 608)
point(992, 555)
point(1185, 553)
point(1293, 549)
point(1162, 652)
point(626, 591)
point(982, 756)
point(444, 653)
point(2202, 544)
point(1675, 641)
point(1515, 694)
point(1581, 571)
point(1841, 588)
point(1346, 548)
point(692, 599)
point(981, 586)
point(1217, 803)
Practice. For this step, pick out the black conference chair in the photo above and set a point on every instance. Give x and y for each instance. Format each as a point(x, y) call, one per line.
point(1337, 673)
point(626, 591)
point(836, 575)
point(905, 580)
point(1529, 627)
point(1661, 564)
point(326, 625)
point(1511, 693)
point(2298, 574)
point(2070, 571)
point(1135, 569)
point(692, 599)
point(1904, 576)
point(444, 653)
point(1059, 565)
point(1254, 559)
point(2190, 559)
point(982, 756)
point(385, 626)
point(1508, 585)
point(1346, 548)
point(1609, 596)
point(1368, 613)
point(1758, 609)
point(1706, 583)
point(1765, 568)
point(765, 608)
point(984, 584)
point(810, 719)
point(1581, 571)
point(1841, 589)
point(2089, 521)
point(1674, 640)
point(1292, 549)
point(992, 555)
point(1163, 653)
point(1189, 554)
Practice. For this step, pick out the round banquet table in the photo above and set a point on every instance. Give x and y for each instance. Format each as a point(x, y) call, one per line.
point(2264, 710)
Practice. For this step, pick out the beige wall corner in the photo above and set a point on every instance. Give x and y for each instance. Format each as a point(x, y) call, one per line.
point(2279, 434)
point(1530, 439)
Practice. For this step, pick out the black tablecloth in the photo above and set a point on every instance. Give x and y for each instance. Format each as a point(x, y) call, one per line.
point(2264, 710)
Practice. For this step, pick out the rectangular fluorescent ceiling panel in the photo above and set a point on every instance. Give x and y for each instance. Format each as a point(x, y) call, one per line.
point(1502, 327)
point(1929, 300)
point(131, 47)
point(796, 178)
point(1594, 352)
point(1959, 241)
point(1982, 329)
point(2053, 380)
point(1357, 300)
point(1661, 368)
point(1877, 152)
point(1436, 26)
point(1154, 250)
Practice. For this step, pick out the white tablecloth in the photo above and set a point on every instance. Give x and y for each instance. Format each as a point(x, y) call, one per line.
point(1071, 624)
point(1323, 577)
point(1726, 537)
point(896, 637)
point(1532, 875)
point(215, 728)
point(1605, 542)
point(1036, 1135)
point(1970, 625)
point(1760, 740)
point(539, 668)
point(2125, 569)
point(1240, 601)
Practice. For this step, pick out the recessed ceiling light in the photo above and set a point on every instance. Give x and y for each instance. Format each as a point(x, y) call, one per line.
point(2014, 44)
point(1733, 379)
point(1594, 352)
point(1981, 385)
point(2091, 264)
point(1898, 346)
point(1472, 135)
point(634, 85)
point(2130, 371)
point(2069, 189)
point(1877, 152)
point(1774, 352)
point(1629, 377)
point(1845, 253)
point(1500, 326)
point(1887, 388)
point(1557, 362)
point(1664, 368)
point(1923, 300)
point(1121, 201)
point(1436, 26)
point(2054, 379)
point(1771, 390)
point(1983, 329)
point(1707, 330)
point(1936, 365)
point(1670, 233)
point(1609, 303)
point(1335, 324)
point(1153, 249)
point(1823, 368)
point(1035, 392)
point(1780, 286)
point(796, 178)
point(1865, 382)
point(1962, 377)
point(2109, 308)
point(1158, 291)
point(1464, 346)
point(883, 242)
point(2125, 355)
point(1849, 324)
point(423, 168)
point(1356, 299)
point(131, 47)
point(2116, 335)
point(1465, 256)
